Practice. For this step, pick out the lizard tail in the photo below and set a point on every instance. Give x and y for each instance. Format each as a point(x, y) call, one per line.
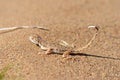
point(93, 38)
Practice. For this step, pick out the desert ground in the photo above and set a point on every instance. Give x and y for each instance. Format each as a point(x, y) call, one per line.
point(66, 20)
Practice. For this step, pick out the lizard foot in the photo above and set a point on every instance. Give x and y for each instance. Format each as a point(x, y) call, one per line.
point(49, 51)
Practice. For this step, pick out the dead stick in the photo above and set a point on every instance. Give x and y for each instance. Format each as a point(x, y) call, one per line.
point(22, 27)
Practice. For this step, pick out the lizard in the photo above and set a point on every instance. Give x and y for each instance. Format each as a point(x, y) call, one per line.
point(62, 48)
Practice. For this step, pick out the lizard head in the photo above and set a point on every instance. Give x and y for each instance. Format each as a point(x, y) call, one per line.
point(36, 39)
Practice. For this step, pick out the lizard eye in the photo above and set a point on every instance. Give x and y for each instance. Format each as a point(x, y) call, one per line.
point(51, 49)
point(37, 44)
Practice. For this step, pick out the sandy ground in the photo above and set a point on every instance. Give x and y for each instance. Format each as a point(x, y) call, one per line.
point(67, 20)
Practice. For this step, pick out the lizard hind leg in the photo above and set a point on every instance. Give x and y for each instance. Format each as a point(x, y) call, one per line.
point(66, 54)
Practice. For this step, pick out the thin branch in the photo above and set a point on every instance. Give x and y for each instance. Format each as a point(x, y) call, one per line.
point(22, 27)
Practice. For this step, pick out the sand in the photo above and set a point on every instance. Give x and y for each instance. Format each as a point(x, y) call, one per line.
point(66, 20)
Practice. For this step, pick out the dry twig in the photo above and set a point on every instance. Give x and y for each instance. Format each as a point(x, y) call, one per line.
point(22, 27)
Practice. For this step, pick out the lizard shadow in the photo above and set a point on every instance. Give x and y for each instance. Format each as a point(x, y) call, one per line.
point(92, 55)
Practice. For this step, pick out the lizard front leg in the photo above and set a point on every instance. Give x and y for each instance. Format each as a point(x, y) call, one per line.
point(49, 51)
